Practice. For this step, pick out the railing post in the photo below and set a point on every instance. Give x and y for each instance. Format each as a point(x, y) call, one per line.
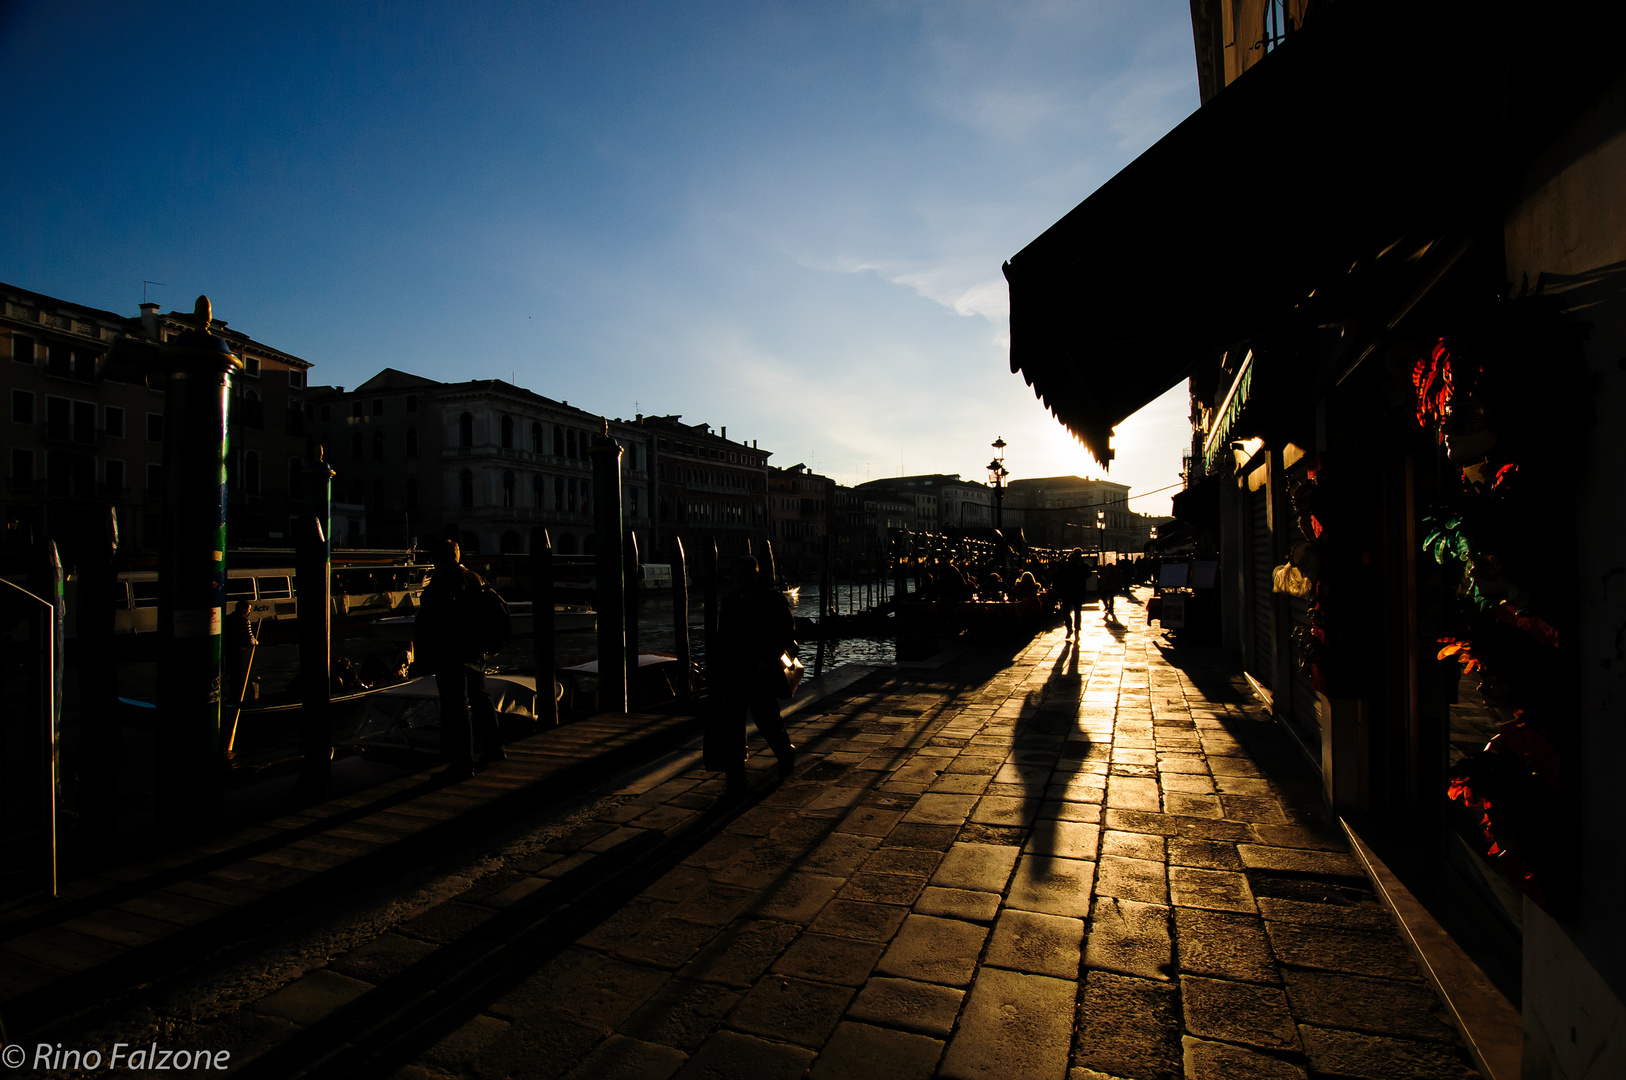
point(824, 607)
point(710, 551)
point(192, 574)
point(547, 705)
point(315, 653)
point(629, 573)
point(98, 685)
point(612, 664)
point(680, 617)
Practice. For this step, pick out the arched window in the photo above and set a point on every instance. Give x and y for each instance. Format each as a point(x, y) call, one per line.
point(539, 489)
point(666, 509)
point(536, 436)
point(507, 432)
point(465, 430)
point(587, 497)
point(571, 506)
point(465, 489)
point(412, 442)
point(412, 494)
point(251, 472)
point(567, 544)
point(558, 493)
point(355, 445)
point(511, 543)
point(508, 489)
point(570, 443)
point(558, 441)
point(378, 446)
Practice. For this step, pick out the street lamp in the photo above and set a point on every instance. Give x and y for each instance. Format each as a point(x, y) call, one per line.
point(1100, 535)
point(996, 477)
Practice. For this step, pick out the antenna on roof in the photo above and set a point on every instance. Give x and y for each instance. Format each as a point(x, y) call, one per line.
point(144, 285)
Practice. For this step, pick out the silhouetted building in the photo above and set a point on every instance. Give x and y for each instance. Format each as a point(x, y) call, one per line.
point(939, 501)
point(799, 508)
point(80, 436)
point(711, 489)
point(1072, 511)
point(488, 457)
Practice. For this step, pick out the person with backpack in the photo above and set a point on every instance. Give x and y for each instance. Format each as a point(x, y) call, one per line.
point(755, 630)
point(453, 632)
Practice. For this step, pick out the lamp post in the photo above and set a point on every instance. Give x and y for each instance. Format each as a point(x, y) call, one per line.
point(996, 477)
point(1100, 536)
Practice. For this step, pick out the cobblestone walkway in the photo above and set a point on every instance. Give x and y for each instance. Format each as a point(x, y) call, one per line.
point(1083, 861)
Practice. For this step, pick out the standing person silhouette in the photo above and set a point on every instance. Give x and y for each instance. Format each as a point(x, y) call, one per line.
point(442, 645)
point(1072, 580)
point(754, 628)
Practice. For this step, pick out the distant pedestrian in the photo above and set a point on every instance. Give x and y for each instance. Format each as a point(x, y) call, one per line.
point(1072, 584)
point(755, 629)
point(443, 644)
point(1111, 582)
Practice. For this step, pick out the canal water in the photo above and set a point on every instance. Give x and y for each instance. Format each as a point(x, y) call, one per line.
point(277, 665)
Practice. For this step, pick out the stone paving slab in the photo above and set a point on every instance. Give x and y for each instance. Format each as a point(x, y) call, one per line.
point(1063, 860)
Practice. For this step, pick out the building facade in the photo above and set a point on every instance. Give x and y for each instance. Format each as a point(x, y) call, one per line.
point(799, 507)
point(937, 501)
point(80, 434)
point(1072, 511)
point(486, 458)
point(710, 489)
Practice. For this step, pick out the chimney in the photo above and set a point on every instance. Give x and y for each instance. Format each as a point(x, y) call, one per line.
point(149, 320)
point(725, 431)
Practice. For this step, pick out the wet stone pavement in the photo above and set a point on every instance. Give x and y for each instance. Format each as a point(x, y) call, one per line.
point(1085, 860)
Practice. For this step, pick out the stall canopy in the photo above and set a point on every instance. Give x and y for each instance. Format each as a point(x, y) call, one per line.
point(1371, 124)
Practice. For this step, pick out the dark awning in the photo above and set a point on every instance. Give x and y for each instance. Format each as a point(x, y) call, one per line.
point(1368, 125)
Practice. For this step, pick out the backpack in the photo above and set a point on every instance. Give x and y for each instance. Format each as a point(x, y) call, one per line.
point(487, 619)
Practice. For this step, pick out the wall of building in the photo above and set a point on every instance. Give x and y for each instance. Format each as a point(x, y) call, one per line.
point(1568, 233)
point(79, 437)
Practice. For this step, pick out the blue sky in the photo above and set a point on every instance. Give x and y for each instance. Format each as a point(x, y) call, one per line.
point(786, 218)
